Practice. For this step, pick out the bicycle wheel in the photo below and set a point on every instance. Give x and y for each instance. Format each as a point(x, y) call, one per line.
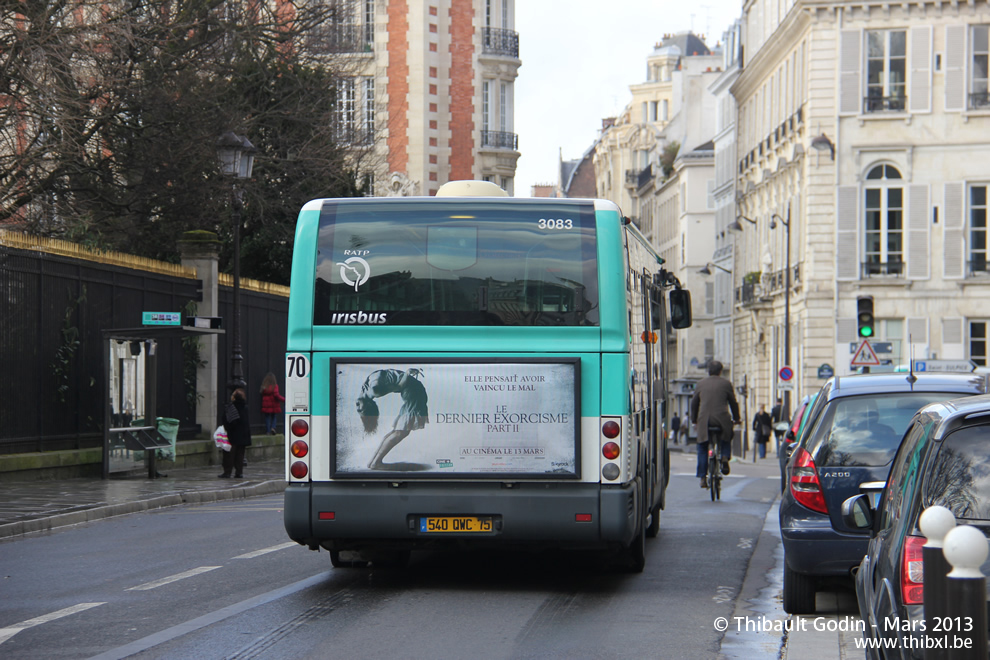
point(713, 476)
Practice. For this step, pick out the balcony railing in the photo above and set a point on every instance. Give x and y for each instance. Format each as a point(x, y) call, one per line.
point(979, 101)
point(769, 284)
point(498, 41)
point(499, 140)
point(885, 103)
point(645, 176)
point(330, 38)
point(886, 269)
point(978, 268)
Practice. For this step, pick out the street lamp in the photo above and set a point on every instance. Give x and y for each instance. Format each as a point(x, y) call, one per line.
point(787, 297)
point(236, 155)
point(708, 271)
point(822, 143)
point(735, 225)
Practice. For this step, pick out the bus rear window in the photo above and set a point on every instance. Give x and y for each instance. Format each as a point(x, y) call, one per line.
point(456, 262)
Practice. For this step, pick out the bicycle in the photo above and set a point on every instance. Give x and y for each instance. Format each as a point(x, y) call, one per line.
point(715, 461)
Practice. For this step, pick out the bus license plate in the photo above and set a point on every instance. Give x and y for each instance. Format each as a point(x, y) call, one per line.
point(460, 524)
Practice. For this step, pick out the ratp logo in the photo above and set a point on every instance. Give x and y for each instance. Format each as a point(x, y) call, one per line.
point(357, 267)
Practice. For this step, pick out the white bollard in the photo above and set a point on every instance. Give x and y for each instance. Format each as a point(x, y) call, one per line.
point(935, 522)
point(965, 548)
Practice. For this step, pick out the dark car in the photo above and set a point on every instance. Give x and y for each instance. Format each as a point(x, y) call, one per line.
point(847, 451)
point(943, 460)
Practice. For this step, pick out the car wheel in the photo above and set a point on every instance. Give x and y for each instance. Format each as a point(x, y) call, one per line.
point(799, 592)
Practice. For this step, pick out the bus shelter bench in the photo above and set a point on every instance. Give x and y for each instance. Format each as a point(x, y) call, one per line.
point(141, 438)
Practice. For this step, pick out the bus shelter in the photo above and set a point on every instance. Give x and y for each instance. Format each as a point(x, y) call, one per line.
point(132, 438)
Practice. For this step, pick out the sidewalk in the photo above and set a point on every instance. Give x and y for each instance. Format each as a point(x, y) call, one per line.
point(38, 506)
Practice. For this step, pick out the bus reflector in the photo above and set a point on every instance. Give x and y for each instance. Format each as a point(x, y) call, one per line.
point(299, 449)
point(582, 517)
point(327, 515)
point(299, 470)
point(610, 450)
point(300, 427)
point(610, 429)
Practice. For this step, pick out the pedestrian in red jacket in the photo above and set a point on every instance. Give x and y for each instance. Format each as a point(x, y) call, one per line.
point(271, 402)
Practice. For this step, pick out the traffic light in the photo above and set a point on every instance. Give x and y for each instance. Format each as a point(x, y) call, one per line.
point(864, 317)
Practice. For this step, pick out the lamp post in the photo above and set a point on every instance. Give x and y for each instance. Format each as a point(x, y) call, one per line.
point(787, 298)
point(236, 155)
point(708, 271)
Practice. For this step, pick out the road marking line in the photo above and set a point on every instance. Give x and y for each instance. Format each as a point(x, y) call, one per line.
point(7, 633)
point(174, 578)
point(265, 551)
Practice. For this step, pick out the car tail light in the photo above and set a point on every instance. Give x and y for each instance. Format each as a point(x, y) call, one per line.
point(300, 427)
point(805, 486)
point(912, 575)
point(299, 449)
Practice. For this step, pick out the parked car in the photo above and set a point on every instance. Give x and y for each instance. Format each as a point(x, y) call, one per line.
point(799, 422)
point(943, 460)
point(846, 451)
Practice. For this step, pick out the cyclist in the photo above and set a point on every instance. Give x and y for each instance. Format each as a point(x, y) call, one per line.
point(714, 401)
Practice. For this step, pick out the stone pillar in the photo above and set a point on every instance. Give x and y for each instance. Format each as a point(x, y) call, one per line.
point(200, 250)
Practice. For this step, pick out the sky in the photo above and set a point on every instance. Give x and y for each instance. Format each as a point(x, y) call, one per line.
point(579, 58)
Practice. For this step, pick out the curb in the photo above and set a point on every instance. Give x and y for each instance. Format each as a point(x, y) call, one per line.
point(49, 523)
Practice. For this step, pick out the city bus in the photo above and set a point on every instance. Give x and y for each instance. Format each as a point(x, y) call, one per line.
point(471, 370)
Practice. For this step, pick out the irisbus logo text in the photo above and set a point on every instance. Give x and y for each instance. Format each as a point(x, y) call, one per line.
point(359, 318)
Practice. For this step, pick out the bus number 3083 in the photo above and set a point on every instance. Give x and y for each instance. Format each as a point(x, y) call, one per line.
point(559, 223)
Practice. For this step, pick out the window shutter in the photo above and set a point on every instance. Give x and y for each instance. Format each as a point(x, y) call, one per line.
point(918, 334)
point(850, 67)
point(918, 234)
point(953, 347)
point(954, 259)
point(920, 92)
point(955, 68)
point(845, 331)
point(847, 234)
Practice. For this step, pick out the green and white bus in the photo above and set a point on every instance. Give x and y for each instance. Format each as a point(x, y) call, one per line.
point(474, 370)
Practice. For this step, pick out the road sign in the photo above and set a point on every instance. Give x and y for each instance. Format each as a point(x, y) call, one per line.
point(964, 366)
point(865, 356)
point(826, 371)
point(786, 373)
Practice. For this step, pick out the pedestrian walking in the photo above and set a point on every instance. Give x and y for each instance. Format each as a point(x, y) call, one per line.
point(238, 427)
point(762, 427)
point(675, 427)
point(271, 402)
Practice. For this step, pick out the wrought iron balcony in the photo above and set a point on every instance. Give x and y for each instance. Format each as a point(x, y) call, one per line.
point(979, 101)
point(885, 269)
point(499, 41)
point(499, 140)
point(978, 268)
point(335, 38)
point(885, 103)
point(645, 176)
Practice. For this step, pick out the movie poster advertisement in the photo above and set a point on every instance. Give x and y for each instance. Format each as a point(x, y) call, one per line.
point(463, 418)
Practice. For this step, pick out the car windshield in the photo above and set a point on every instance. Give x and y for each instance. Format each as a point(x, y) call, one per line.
point(959, 478)
point(866, 430)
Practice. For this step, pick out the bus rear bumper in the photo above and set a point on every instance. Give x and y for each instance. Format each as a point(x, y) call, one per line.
point(351, 515)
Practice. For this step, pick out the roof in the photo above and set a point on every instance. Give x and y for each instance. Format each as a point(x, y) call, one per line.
point(686, 42)
point(858, 384)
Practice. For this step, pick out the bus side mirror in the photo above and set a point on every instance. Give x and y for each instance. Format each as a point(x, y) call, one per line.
point(680, 308)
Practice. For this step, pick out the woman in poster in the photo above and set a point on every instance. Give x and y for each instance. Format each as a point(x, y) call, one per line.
point(412, 416)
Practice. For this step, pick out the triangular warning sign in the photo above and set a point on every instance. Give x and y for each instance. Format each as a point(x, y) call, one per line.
point(865, 356)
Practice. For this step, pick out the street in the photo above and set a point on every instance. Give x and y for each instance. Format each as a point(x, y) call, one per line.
point(221, 581)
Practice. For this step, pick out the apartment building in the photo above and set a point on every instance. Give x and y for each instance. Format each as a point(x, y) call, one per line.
point(429, 90)
point(862, 133)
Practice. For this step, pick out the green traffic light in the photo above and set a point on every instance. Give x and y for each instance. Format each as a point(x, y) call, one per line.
point(866, 332)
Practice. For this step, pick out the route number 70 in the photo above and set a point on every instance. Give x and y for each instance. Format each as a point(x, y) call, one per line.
point(296, 367)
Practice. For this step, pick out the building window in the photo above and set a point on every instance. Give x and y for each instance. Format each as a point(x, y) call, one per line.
point(485, 110)
point(664, 110)
point(369, 110)
point(344, 111)
point(884, 216)
point(886, 66)
point(978, 342)
point(369, 24)
point(979, 96)
point(978, 229)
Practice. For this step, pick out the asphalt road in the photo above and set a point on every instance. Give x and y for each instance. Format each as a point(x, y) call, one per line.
point(222, 581)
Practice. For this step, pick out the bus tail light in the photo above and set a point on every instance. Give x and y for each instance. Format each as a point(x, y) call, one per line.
point(610, 450)
point(299, 470)
point(299, 449)
point(912, 578)
point(610, 429)
point(300, 427)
